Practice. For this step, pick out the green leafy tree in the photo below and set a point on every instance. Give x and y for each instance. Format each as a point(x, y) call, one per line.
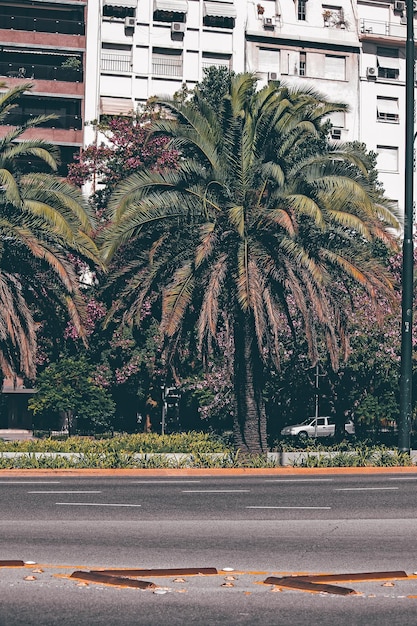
point(242, 240)
point(67, 393)
point(44, 224)
point(214, 86)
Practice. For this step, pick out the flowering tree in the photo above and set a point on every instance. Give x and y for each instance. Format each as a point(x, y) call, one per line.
point(126, 147)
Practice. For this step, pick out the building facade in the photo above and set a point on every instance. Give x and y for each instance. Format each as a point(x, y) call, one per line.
point(88, 58)
point(42, 43)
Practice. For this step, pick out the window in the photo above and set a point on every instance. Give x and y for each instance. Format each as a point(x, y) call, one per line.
point(333, 16)
point(338, 123)
point(268, 59)
point(301, 10)
point(116, 58)
point(338, 119)
point(115, 106)
point(302, 69)
point(68, 112)
point(119, 8)
point(167, 62)
point(218, 60)
point(388, 63)
point(387, 159)
point(170, 10)
point(334, 67)
point(219, 14)
point(387, 109)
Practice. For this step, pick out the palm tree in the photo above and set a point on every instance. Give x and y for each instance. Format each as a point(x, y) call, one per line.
point(43, 220)
point(258, 230)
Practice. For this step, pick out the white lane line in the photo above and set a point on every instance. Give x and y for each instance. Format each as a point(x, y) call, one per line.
point(93, 504)
point(299, 480)
point(319, 508)
point(403, 478)
point(55, 491)
point(368, 489)
point(145, 482)
point(215, 490)
point(30, 482)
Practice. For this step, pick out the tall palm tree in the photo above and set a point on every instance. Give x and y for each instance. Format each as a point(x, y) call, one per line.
point(260, 228)
point(43, 220)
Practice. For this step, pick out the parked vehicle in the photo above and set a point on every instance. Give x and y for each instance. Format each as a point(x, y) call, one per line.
point(316, 427)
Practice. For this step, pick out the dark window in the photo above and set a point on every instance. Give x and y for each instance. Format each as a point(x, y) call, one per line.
point(302, 10)
point(218, 22)
point(168, 16)
point(111, 11)
point(67, 111)
point(303, 64)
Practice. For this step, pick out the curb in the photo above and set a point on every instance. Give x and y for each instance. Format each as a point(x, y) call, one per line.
point(275, 471)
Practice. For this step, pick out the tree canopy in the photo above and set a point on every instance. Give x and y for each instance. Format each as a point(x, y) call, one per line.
point(44, 223)
point(245, 240)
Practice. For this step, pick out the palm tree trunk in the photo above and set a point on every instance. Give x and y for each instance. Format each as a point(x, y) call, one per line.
point(249, 423)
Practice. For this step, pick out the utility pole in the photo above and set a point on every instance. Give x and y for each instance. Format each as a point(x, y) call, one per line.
point(404, 426)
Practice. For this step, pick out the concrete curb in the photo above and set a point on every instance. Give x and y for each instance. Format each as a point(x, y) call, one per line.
point(238, 471)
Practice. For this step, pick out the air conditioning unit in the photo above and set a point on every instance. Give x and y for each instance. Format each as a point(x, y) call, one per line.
point(273, 76)
point(371, 72)
point(336, 133)
point(269, 22)
point(130, 22)
point(177, 27)
point(399, 5)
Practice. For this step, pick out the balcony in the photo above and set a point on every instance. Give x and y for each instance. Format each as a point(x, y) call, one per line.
point(63, 121)
point(117, 63)
point(373, 28)
point(40, 72)
point(67, 111)
point(206, 63)
point(166, 65)
point(42, 24)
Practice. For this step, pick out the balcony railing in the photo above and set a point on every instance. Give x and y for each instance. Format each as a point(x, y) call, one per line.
point(116, 63)
point(41, 72)
point(165, 65)
point(41, 24)
point(63, 120)
point(206, 63)
point(386, 29)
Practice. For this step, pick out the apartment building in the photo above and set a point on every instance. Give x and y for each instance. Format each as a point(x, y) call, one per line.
point(88, 58)
point(153, 47)
point(382, 33)
point(42, 43)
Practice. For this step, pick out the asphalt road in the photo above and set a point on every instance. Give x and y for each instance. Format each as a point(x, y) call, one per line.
point(257, 526)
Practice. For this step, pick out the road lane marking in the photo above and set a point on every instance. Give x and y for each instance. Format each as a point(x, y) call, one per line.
point(368, 489)
point(215, 490)
point(145, 482)
point(299, 480)
point(403, 478)
point(319, 508)
point(30, 482)
point(93, 504)
point(55, 491)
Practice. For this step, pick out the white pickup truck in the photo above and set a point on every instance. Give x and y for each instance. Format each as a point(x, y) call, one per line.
point(316, 427)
